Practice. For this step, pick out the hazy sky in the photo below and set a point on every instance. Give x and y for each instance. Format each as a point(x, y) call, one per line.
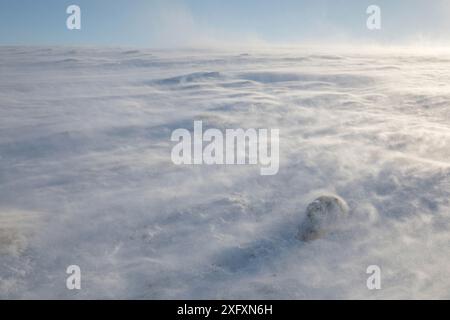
point(172, 23)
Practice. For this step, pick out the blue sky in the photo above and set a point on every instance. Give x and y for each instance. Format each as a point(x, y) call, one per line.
point(172, 23)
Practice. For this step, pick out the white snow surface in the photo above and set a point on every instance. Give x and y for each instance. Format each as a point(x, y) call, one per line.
point(86, 176)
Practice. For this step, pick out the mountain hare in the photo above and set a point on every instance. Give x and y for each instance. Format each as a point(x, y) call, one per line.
point(322, 216)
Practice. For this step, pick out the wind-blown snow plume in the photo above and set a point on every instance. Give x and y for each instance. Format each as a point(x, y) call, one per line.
point(86, 176)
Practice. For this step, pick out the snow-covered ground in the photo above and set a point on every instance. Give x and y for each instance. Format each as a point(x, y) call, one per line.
point(86, 176)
